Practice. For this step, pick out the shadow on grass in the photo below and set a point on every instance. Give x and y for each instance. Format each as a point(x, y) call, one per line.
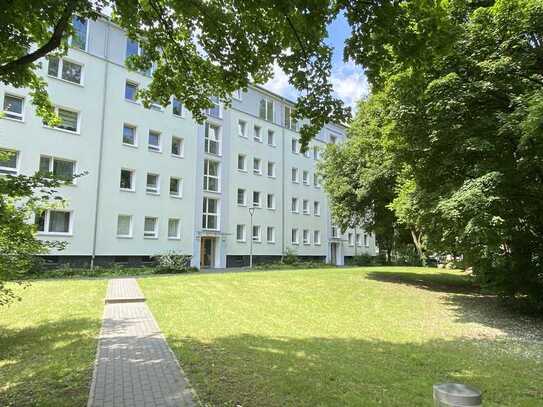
point(436, 281)
point(250, 370)
point(48, 364)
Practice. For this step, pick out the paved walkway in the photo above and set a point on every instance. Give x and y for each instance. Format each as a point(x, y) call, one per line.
point(134, 364)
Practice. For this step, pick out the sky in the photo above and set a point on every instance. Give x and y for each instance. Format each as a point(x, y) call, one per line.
point(350, 83)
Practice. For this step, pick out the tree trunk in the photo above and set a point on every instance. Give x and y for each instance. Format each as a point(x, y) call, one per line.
point(417, 242)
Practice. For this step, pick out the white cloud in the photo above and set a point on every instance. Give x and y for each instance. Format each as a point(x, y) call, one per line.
point(350, 83)
point(279, 84)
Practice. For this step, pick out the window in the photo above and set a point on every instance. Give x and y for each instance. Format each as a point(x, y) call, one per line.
point(176, 187)
point(305, 177)
point(271, 138)
point(333, 139)
point(290, 123)
point(132, 48)
point(62, 169)
point(124, 226)
point(317, 208)
point(334, 231)
point(317, 237)
point(294, 175)
point(316, 153)
point(215, 110)
point(256, 233)
point(366, 243)
point(68, 119)
point(242, 162)
point(294, 205)
point(257, 134)
point(63, 69)
point(305, 236)
point(316, 180)
point(177, 146)
point(212, 139)
point(305, 206)
point(156, 106)
point(153, 141)
point(271, 201)
point(177, 107)
point(210, 217)
point(271, 169)
point(294, 236)
point(350, 239)
point(257, 166)
point(150, 228)
point(79, 39)
point(127, 180)
point(265, 110)
point(256, 199)
point(242, 129)
point(240, 233)
point(211, 176)
point(242, 197)
point(153, 185)
point(130, 90)
point(294, 146)
point(358, 240)
point(237, 94)
point(55, 222)
point(8, 162)
point(174, 229)
point(129, 135)
point(13, 107)
point(270, 234)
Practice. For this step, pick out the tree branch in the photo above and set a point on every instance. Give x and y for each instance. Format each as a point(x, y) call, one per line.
point(52, 44)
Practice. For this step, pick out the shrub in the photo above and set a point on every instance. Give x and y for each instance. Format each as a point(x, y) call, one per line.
point(290, 256)
point(172, 262)
point(362, 260)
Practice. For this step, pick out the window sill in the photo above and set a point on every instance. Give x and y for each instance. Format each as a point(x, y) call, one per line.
point(130, 145)
point(152, 150)
point(295, 243)
point(272, 176)
point(242, 205)
point(126, 190)
point(212, 192)
point(152, 193)
point(257, 173)
point(11, 119)
point(77, 133)
point(177, 156)
point(272, 145)
point(241, 241)
point(134, 102)
point(271, 209)
point(151, 237)
point(174, 238)
point(81, 85)
point(243, 171)
point(257, 241)
point(176, 196)
point(257, 140)
point(55, 234)
point(271, 242)
point(178, 116)
point(124, 237)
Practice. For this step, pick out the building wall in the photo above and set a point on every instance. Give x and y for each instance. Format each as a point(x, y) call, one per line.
point(97, 200)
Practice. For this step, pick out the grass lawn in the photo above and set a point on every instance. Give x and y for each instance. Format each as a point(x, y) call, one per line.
point(334, 337)
point(48, 343)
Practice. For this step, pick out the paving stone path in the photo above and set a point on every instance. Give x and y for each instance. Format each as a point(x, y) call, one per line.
point(134, 364)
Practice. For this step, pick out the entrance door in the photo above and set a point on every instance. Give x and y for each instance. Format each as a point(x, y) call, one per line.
point(207, 252)
point(333, 253)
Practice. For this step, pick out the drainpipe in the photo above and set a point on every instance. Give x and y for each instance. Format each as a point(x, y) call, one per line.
point(283, 186)
point(101, 147)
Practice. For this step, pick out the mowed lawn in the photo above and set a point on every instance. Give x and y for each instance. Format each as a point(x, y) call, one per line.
point(344, 337)
point(48, 343)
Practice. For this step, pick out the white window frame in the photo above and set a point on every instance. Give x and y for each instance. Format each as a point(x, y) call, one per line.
point(19, 117)
point(273, 166)
point(244, 202)
point(306, 233)
point(316, 208)
point(152, 191)
point(206, 215)
point(257, 133)
point(295, 175)
point(182, 113)
point(269, 116)
point(10, 170)
point(258, 237)
point(350, 238)
point(146, 233)
point(243, 233)
point(316, 237)
point(137, 88)
point(178, 229)
point(71, 110)
point(305, 177)
point(135, 135)
point(208, 177)
point(257, 170)
point(316, 181)
point(132, 179)
point(244, 169)
point(358, 239)
point(242, 128)
point(46, 223)
point(130, 227)
point(272, 133)
point(179, 185)
point(272, 240)
point(155, 148)
point(209, 141)
point(294, 236)
point(366, 240)
point(257, 204)
point(52, 160)
point(305, 207)
point(87, 35)
point(181, 149)
point(294, 205)
point(294, 147)
point(60, 70)
point(288, 122)
point(272, 207)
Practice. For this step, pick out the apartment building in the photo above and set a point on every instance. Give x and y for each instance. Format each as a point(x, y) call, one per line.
point(155, 181)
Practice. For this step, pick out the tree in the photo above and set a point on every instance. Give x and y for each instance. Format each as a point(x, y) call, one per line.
point(463, 83)
point(198, 49)
point(20, 198)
